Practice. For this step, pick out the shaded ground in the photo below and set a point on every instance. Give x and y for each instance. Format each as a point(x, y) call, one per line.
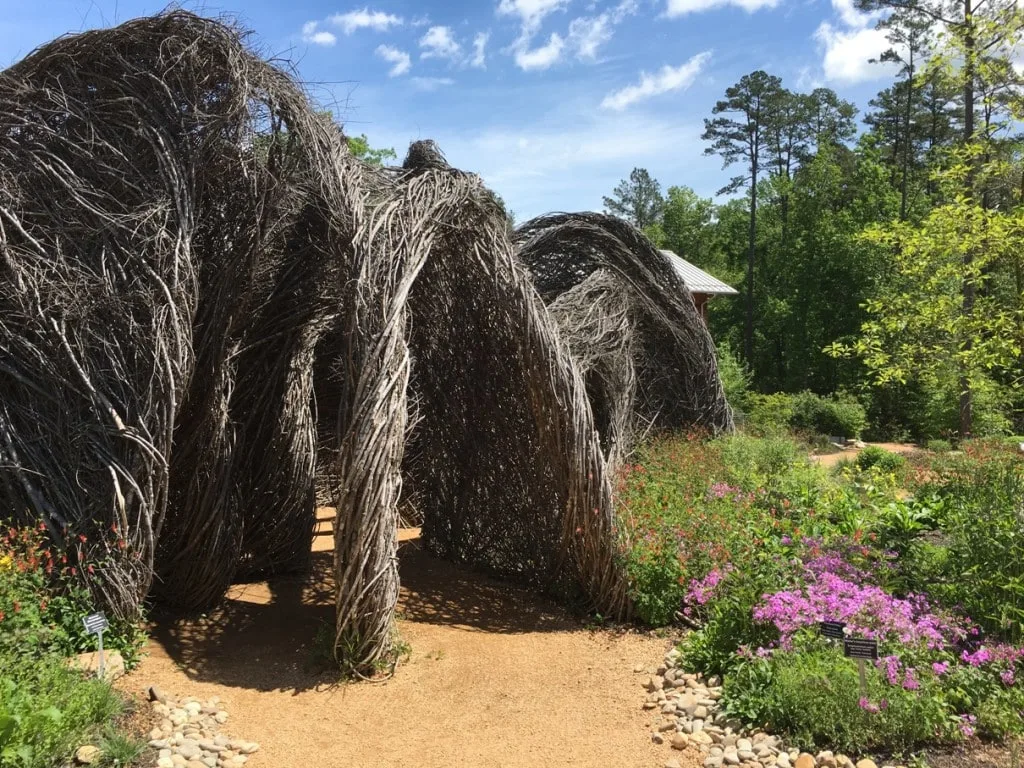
point(496, 677)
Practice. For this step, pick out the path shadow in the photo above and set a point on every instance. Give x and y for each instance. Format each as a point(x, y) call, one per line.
point(436, 591)
point(274, 635)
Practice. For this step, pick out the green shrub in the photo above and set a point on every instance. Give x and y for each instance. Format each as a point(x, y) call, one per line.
point(43, 599)
point(839, 414)
point(883, 460)
point(47, 710)
point(769, 414)
point(983, 528)
point(813, 695)
point(938, 446)
point(735, 377)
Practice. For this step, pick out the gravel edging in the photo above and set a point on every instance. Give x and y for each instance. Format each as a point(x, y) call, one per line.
point(188, 734)
point(693, 719)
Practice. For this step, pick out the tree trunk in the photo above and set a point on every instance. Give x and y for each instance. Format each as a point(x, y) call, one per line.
point(970, 43)
point(907, 141)
point(748, 327)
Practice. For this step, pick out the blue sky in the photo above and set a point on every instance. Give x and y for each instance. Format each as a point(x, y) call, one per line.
point(551, 101)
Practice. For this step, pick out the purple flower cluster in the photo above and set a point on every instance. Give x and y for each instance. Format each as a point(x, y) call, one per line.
point(726, 491)
point(702, 590)
point(866, 609)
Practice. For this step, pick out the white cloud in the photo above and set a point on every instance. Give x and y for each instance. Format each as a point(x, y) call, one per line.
point(400, 59)
point(439, 43)
point(479, 59)
point(665, 80)
point(587, 34)
point(540, 58)
point(847, 53)
point(310, 34)
point(364, 19)
point(430, 83)
point(681, 7)
point(849, 14)
point(530, 12)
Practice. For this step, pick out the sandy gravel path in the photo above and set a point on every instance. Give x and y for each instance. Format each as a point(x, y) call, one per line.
point(497, 677)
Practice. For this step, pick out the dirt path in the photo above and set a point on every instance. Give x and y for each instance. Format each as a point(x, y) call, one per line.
point(831, 459)
point(497, 677)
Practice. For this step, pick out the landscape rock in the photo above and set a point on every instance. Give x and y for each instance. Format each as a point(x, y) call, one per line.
point(805, 761)
point(680, 741)
point(657, 738)
point(782, 760)
point(867, 763)
point(701, 738)
point(113, 664)
point(87, 755)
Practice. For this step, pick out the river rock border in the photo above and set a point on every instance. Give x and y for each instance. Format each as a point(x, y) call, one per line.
point(188, 734)
point(693, 719)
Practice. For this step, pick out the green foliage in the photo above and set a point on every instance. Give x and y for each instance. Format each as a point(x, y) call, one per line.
point(637, 199)
point(939, 446)
point(47, 710)
point(920, 326)
point(735, 377)
point(739, 533)
point(118, 750)
point(885, 461)
point(43, 598)
point(813, 695)
point(769, 414)
point(360, 147)
point(839, 414)
point(981, 490)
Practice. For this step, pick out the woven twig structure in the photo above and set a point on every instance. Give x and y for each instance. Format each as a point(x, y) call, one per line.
point(212, 316)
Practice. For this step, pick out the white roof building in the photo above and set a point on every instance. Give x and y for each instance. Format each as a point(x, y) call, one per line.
point(696, 279)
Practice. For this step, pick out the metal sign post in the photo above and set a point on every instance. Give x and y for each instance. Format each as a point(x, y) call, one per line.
point(96, 624)
point(861, 650)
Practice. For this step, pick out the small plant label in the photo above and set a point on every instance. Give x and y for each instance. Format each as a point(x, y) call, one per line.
point(833, 630)
point(856, 648)
point(96, 624)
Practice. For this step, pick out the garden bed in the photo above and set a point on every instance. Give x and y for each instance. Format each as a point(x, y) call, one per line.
point(752, 545)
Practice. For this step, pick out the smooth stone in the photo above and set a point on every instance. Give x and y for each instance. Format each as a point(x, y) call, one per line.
point(698, 725)
point(744, 745)
point(826, 759)
point(680, 741)
point(701, 739)
point(805, 761)
point(673, 763)
point(657, 738)
point(700, 712)
point(747, 756)
point(713, 761)
point(731, 758)
point(87, 754)
point(158, 743)
point(165, 762)
point(867, 763)
point(842, 761)
point(221, 717)
point(782, 760)
point(650, 704)
point(714, 681)
point(669, 726)
point(638, 668)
